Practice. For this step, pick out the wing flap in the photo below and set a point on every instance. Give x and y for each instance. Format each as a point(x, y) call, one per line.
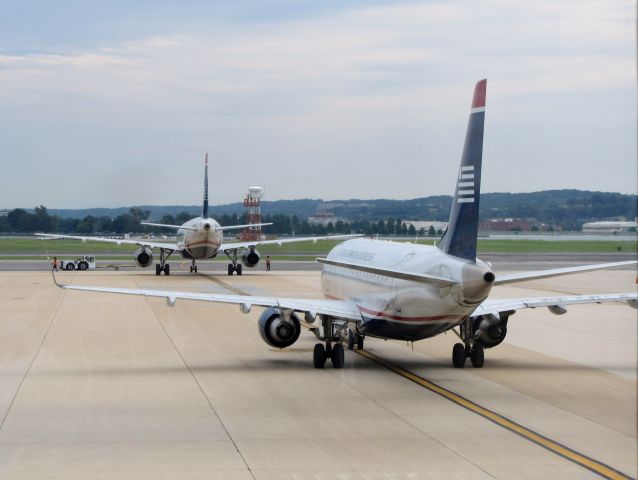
point(117, 241)
point(336, 308)
point(513, 304)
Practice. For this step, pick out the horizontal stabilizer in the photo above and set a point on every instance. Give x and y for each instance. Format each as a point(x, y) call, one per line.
point(233, 227)
point(387, 272)
point(555, 272)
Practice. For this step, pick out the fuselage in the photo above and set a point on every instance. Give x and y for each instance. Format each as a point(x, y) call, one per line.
point(404, 309)
point(201, 243)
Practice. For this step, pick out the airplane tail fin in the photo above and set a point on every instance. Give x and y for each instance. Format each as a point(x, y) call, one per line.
point(205, 209)
point(460, 237)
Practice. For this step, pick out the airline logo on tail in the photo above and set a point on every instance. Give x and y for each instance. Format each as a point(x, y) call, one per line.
point(465, 185)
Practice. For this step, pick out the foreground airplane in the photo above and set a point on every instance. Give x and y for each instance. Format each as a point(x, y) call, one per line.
point(200, 238)
point(405, 291)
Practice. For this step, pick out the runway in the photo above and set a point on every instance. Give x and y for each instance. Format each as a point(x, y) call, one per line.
point(103, 386)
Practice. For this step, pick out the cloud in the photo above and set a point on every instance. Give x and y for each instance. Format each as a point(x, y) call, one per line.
point(354, 89)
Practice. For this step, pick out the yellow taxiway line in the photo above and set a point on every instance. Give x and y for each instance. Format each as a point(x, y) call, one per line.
point(595, 466)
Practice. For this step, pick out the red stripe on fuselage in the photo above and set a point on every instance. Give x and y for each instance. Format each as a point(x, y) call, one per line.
point(402, 318)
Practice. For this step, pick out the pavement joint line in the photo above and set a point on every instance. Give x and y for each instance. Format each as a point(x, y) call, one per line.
point(37, 353)
point(580, 459)
point(201, 389)
point(221, 283)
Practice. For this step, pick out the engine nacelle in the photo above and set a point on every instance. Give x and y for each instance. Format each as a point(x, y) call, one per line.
point(278, 331)
point(490, 330)
point(250, 258)
point(144, 257)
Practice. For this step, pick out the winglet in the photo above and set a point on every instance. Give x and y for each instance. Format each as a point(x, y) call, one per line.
point(460, 238)
point(205, 209)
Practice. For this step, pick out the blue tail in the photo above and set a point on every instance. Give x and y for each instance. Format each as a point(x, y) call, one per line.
point(205, 209)
point(460, 237)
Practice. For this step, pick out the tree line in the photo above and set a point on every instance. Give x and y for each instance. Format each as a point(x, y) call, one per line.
point(19, 221)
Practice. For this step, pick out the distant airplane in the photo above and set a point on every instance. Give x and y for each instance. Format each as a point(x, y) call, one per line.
point(405, 291)
point(200, 238)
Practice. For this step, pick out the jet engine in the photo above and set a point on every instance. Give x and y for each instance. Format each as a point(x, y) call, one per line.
point(278, 331)
point(250, 258)
point(144, 257)
point(490, 330)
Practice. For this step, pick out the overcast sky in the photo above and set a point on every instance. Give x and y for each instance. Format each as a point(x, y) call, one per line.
point(115, 103)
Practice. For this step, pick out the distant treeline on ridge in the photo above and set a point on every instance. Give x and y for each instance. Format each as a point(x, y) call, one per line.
point(568, 209)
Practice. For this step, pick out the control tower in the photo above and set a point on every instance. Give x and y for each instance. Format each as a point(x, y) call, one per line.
point(252, 203)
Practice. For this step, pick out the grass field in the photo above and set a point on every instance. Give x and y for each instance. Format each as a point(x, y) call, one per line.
point(17, 249)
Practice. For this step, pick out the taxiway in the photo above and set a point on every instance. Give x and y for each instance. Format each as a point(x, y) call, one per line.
point(103, 386)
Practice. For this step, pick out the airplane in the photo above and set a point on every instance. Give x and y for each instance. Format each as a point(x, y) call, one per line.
point(200, 238)
point(404, 291)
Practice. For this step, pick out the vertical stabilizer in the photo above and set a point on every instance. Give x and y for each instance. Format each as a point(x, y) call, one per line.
point(460, 237)
point(205, 209)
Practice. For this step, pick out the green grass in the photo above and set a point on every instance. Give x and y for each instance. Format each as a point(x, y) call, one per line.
point(32, 249)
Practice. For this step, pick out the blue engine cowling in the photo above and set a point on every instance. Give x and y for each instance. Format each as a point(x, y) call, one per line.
point(250, 258)
point(277, 331)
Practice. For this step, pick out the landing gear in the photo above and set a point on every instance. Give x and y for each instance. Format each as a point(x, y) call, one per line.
point(355, 340)
point(458, 355)
point(163, 266)
point(477, 355)
point(193, 267)
point(333, 335)
point(319, 356)
point(235, 266)
point(470, 348)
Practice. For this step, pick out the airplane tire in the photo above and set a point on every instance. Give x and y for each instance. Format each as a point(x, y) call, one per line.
point(167, 269)
point(360, 341)
point(231, 269)
point(158, 269)
point(195, 268)
point(238, 269)
point(477, 356)
point(458, 355)
point(319, 356)
point(337, 356)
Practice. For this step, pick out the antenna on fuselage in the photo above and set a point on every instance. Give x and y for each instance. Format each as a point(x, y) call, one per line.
point(205, 209)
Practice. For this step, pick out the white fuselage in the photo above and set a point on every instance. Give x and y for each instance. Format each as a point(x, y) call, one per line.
point(404, 309)
point(201, 243)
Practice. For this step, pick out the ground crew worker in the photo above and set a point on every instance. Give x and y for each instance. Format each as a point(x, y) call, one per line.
point(55, 264)
point(268, 263)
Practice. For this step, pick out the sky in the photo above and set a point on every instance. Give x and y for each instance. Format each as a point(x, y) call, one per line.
point(106, 104)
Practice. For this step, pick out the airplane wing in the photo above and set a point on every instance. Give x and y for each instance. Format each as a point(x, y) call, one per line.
point(118, 241)
point(555, 272)
point(279, 242)
point(335, 308)
point(510, 305)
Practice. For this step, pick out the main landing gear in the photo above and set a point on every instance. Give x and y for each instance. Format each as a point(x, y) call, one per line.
point(355, 340)
point(470, 348)
point(163, 266)
point(332, 348)
point(235, 266)
point(193, 267)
